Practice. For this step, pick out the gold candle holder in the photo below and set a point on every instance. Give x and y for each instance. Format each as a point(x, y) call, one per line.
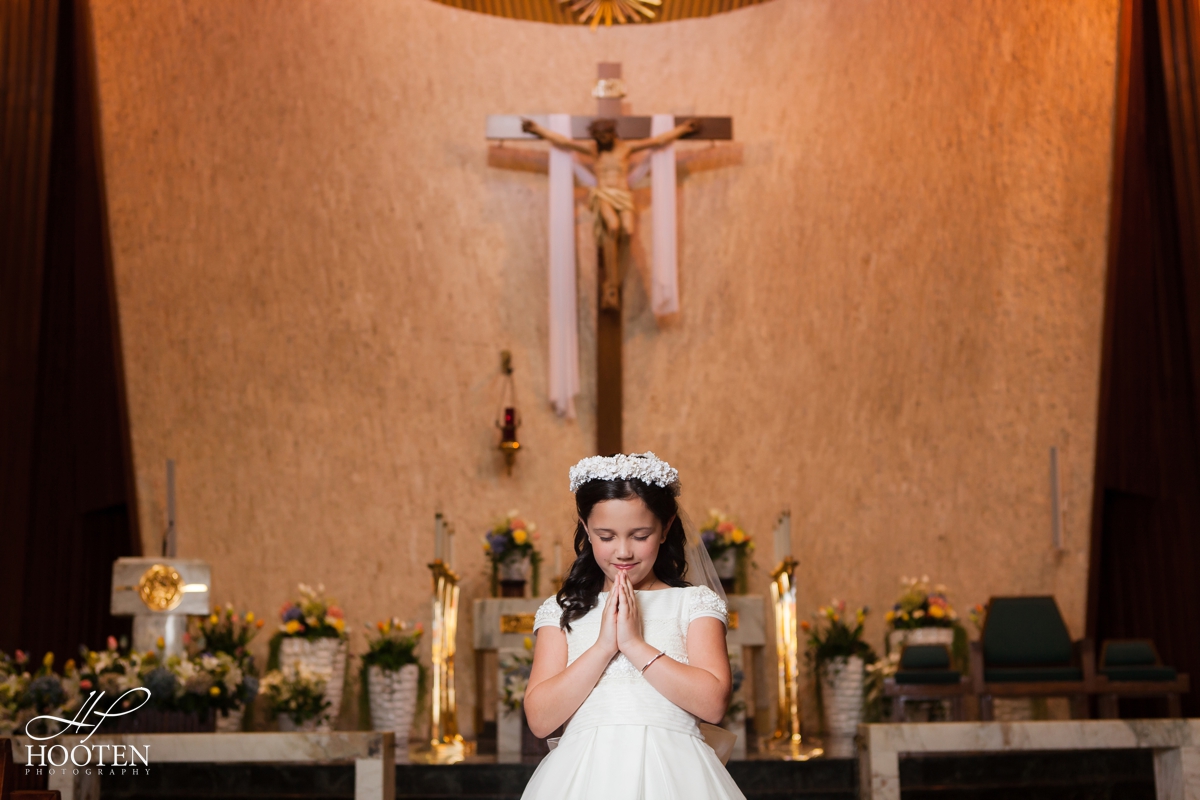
point(446, 741)
point(788, 735)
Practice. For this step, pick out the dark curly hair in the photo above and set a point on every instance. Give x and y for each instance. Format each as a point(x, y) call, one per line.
point(585, 580)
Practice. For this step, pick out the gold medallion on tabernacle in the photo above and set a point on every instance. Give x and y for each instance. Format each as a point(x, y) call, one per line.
point(516, 623)
point(161, 588)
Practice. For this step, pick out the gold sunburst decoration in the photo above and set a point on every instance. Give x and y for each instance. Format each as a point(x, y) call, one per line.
point(607, 10)
point(161, 588)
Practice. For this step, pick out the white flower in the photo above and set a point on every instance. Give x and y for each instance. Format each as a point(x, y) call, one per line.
point(645, 467)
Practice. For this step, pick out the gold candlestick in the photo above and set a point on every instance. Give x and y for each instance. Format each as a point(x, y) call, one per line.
point(447, 742)
point(788, 735)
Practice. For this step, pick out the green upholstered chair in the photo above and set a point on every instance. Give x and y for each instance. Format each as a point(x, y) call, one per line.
point(1132, 668)
point(1026, 651)
point(925, 673)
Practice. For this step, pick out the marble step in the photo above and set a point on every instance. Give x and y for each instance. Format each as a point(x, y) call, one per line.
point(1088, 775)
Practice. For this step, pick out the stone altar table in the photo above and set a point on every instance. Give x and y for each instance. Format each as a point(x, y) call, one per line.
point(373, 755)
point(1175, 742)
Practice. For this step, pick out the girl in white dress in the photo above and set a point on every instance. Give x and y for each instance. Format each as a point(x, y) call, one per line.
point(629, 655)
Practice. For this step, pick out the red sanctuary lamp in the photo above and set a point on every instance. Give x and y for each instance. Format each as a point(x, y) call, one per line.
point(509, 420)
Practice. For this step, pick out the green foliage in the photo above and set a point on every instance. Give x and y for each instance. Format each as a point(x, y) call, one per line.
point(833, 636)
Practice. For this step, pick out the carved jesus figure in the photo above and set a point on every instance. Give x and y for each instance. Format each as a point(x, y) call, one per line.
point(610, 200)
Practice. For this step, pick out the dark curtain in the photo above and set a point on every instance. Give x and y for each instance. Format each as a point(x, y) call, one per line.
point(66, 503)
point(1145, 580)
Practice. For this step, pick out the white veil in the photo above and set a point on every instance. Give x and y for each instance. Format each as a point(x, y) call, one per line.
point(701, 571)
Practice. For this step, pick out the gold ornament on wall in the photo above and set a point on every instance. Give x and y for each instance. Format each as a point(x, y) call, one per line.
point(558, 12)
point(607, 10)
point(509, 421)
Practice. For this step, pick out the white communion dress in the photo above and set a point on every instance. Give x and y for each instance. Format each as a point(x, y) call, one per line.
point(627, 741)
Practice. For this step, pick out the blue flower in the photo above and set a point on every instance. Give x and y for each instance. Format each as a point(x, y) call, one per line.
point(162, 684)
point(293, 613)
point(498, 543)
point(46, 692)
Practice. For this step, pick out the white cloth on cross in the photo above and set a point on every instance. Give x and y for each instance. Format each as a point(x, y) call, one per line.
point(664, 276)
point(564, 325)
point(664, 289)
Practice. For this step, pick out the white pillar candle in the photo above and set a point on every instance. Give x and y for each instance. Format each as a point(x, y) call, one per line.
point(783, 537)
point(438, 535)
point(450, 547)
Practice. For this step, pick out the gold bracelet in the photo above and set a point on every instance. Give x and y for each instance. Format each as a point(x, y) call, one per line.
point(651, 661)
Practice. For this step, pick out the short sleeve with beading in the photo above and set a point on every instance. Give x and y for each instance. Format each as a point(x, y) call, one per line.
point(548, 613)
point(704, 602)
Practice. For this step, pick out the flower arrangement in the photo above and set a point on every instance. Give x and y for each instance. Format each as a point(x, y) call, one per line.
point(24, 696)
point(836, 633)
point(921, 606)
point(516, 670)
point(297, 693)
point(508, 543)
point(312, 616)
point(200, 684)
point(978, 616)
point(197, 684)
point(226, 631)
point(729, 547)
point(394, 645)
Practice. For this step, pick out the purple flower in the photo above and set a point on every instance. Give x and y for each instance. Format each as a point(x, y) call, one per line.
point(293, 613)
point(498, 543)
point(708, 537)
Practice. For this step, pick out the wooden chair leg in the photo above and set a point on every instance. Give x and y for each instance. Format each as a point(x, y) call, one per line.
point(1174, 706)
point(1079, 706)
point(986, 713)
point(956, 709)
point(898, 708)
point(1107, 707)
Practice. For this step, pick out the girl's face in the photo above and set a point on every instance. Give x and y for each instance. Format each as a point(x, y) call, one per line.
point(625, 537)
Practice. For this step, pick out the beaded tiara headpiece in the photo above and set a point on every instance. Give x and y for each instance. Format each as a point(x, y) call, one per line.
point(646, 467)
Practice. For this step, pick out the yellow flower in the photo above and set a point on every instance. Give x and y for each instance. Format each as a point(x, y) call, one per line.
point(292, 626)
point(889, 616)
point(214, 691)
point(340, 624)
point(738, 536)
point(937, 612)
point(160, 642)
point(249, 617)
point(48, 660)
point(214, 619)
point(520, 536)
point(528, 643)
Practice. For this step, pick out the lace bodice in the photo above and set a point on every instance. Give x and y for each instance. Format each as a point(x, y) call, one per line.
point(622, 695)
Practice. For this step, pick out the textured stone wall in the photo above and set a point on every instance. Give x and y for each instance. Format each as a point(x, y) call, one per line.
point(891, 305)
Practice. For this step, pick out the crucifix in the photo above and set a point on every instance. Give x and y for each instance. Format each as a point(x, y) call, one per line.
point(609, 139)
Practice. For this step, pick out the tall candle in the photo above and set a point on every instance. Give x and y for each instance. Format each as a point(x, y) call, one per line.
point(558, 573)
point(783, 537)
point(438, 536)
point(449, 546)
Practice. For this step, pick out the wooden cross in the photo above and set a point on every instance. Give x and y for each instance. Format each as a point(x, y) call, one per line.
point(609, 377)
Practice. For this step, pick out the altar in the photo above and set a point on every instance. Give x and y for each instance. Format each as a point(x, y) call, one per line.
point(503, 642)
